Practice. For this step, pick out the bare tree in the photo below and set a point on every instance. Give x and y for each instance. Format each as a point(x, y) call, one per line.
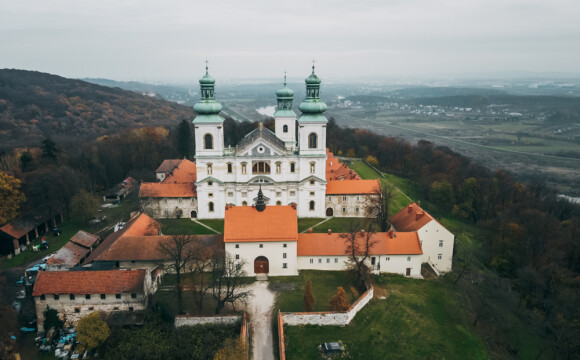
point(378, 206)
point(359, 243)
point(200, 265)
point(178, 249)
point(227, 281)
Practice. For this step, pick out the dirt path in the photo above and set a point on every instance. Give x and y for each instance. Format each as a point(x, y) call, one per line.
point(260, 307)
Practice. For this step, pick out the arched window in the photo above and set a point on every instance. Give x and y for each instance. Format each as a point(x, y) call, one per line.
point(230, 168)
point(278, 202)
point(244, 203)
point(210, 206)
point(292, 167)
point(311, 205)
point(208, 141)
point(261, 167)
point(285, 128)
point(312, 141)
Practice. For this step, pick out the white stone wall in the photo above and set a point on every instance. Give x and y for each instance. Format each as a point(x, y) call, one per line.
point(166, 207)
point(287, 137)
point(273, 250)
point(328, 318)
point(394, 264)
point(183, 320)
point(304, 130)
point(430, 236)
point(349, 205)
point(67, 308)
point(217, 132)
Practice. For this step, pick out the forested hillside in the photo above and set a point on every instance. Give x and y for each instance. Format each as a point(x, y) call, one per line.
point(36, 105)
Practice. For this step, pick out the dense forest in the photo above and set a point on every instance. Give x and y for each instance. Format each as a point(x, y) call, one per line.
point(36, 105)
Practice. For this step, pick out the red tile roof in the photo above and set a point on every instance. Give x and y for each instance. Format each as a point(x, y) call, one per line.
point(186, 172)
point(338, 171)
point(339, 187)
point(89, 282)
point(84, 239)
point(145, 248)
point(139, 226)
point(410, 218)
point(275, 223)
point(168, 165)
point(70, 254)
point(167, 190)
point(324, 244)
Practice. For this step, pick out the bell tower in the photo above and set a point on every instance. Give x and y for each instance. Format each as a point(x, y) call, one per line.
point(209, 132)
point(285, 117)
point(311, 123)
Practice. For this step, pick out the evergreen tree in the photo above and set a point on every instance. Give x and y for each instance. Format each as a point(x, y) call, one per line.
point(184, 138)
point(49, 150)
point(338, 301)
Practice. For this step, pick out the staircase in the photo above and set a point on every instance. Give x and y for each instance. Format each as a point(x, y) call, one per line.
point(262, 277)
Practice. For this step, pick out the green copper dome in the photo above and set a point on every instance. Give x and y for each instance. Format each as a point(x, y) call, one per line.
point(285, 92)
point(207, 108)
point(312, 107)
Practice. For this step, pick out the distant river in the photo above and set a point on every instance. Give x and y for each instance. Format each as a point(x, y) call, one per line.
point(266, 110)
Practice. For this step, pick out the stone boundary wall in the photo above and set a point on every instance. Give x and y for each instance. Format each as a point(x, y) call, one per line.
point(186, 320)
point(320, 318)
point(374, 168)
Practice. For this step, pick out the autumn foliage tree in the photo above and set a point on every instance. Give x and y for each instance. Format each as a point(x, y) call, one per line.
point(339, 302)
point(308, 297)
point(92, 331)
point(10, 197)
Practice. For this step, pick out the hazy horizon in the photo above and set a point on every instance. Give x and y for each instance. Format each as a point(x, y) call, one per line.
point(368, 40)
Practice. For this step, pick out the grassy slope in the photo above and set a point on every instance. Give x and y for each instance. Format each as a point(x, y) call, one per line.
point(418, 320)
point(186, 226)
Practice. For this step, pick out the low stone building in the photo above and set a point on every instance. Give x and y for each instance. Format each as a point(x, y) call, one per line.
point(74, 252)
point(351, 198)
point(75, 294)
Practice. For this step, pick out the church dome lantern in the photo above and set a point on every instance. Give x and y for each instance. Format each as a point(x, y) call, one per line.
point(207, 108)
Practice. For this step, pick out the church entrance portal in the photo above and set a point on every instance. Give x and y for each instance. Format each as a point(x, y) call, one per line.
point(193, 214)
point(329, 212)
point(261, 265)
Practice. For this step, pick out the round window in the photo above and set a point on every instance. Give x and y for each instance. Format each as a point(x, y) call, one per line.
point(261, 149)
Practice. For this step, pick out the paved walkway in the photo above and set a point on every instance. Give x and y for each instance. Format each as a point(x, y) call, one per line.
point(260, 306)
point(205, 226)
point(315, 225)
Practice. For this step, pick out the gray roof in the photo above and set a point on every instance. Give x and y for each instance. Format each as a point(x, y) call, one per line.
point(263, 133)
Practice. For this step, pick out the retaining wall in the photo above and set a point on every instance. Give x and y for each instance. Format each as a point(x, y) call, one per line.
point(185, 320)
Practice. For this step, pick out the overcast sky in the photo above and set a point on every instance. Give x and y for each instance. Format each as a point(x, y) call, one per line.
point(169, 40)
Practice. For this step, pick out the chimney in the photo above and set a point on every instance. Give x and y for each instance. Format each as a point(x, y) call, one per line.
point(419, 215)
point(410, 208)
point(362, 232)
point(227, 206)
point(419, 203)
point(329, 231)
point(391, 233)
point(310, 231)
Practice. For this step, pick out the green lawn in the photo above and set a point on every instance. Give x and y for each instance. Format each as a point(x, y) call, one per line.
point(184, 227)
point(216, 224)
point(307, 223)
point(339, 225)
point(418, 320)
point(324, 286)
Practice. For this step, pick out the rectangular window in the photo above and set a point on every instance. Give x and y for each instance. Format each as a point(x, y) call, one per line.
point(344, 198)
point(210, 195)
point(117, 296)
point(335, 260)
point(209, 183)
point(130, 308)
point(312, 193)
point(88, 296)
point(133, 296)
point(71, 296)
point(439, 256)
point(284, 256)
point(328, 260)
point(261, 246)
point(358, 198)
point(387, 258)
point(320, 261)
point(284, 266)
point(311, 261)
point(229, 168)
point(230, 194)
point(166, 213)
point(373, 260)
point(244, 194)
point(356, 210)
point(408, 258)
point(292, 167)
point(56, 296)
point(344, 210)
point(330, 198)
point(91, 308)
point(43, 297)
point(192, 199)
point(440, 243)
point(278, 193)
point(103, 296)
point(179, 200)
point(237, 246)
point(292, 193)
point(311, 182)
point(77, 310)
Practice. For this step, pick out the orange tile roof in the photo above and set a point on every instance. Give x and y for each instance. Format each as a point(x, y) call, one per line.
point(275, 223)
point(411, 218)
point(168, 165)
point(167, 190)
point(186, 172)
point(70, 254)
point(84, 238)
point(336, 187)
point(324, 244)
point(145, 248)
point(139, 226)
point(335, 170)
point(89, 282)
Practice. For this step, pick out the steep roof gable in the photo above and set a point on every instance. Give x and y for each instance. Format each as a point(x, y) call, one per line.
point(411, 218)
point(261, 136)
